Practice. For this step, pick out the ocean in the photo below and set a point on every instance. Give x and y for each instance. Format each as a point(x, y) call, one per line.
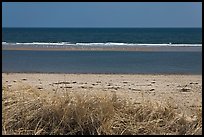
point(101, 61)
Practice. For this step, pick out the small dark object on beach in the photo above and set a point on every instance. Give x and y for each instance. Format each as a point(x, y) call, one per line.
point(98, 81)
point(14, 81)
point(194, 83)
point(185, 89)
point(136, 89)
point(24, 79)
point(153, 82)
point(74, 82)
point(151, 89)
point(125, 82)
point(62, 82)
point(116, 88)
point(40, 88)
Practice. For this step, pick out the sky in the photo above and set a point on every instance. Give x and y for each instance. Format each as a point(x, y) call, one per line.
point(101, 14)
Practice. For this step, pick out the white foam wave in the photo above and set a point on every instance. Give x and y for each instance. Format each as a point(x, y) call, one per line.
point(96, 44)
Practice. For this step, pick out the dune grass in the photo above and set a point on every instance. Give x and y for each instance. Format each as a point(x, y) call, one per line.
point(30, 111)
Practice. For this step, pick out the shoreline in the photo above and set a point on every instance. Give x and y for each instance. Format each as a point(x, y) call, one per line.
point(101, 73)
point(139, 48)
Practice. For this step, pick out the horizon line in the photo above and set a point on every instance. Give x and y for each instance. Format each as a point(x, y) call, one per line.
point(102, 27)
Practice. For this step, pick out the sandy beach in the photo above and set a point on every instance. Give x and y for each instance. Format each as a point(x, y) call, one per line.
point(185, 91)
point(94, 69)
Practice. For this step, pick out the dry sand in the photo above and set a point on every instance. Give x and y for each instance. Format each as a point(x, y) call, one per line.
point(185, 91)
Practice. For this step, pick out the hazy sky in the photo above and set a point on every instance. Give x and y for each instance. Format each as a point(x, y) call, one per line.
point(102, 14)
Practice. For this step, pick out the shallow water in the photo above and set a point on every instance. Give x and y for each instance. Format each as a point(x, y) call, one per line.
point(102, 62)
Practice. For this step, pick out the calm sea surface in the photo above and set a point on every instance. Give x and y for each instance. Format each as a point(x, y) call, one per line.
point(102, 62)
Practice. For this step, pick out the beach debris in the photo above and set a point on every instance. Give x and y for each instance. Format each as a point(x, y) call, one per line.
point(68, 87)
point(125, 82)
point(137, 103)
point(116, 88)
point(7, 81)
point(83, 87)
point(24, 79)
point(14, 80)
point(136, 89)
point(185, 89)
point(40, 88)
point(194, 83)
point(64, 82)
point(109, 84)
point(153, 81)
point(74, 82)
point(152, 89)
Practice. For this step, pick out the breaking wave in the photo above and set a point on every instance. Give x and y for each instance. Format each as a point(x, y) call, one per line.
point(94, 44)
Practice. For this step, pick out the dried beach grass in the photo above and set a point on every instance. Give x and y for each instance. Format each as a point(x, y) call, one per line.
point(31, 111)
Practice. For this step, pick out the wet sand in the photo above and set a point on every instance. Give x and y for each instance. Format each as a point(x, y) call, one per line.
point(138, 48)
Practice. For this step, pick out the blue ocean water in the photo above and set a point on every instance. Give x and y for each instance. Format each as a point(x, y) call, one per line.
point(101, 61)
point(102, 36)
